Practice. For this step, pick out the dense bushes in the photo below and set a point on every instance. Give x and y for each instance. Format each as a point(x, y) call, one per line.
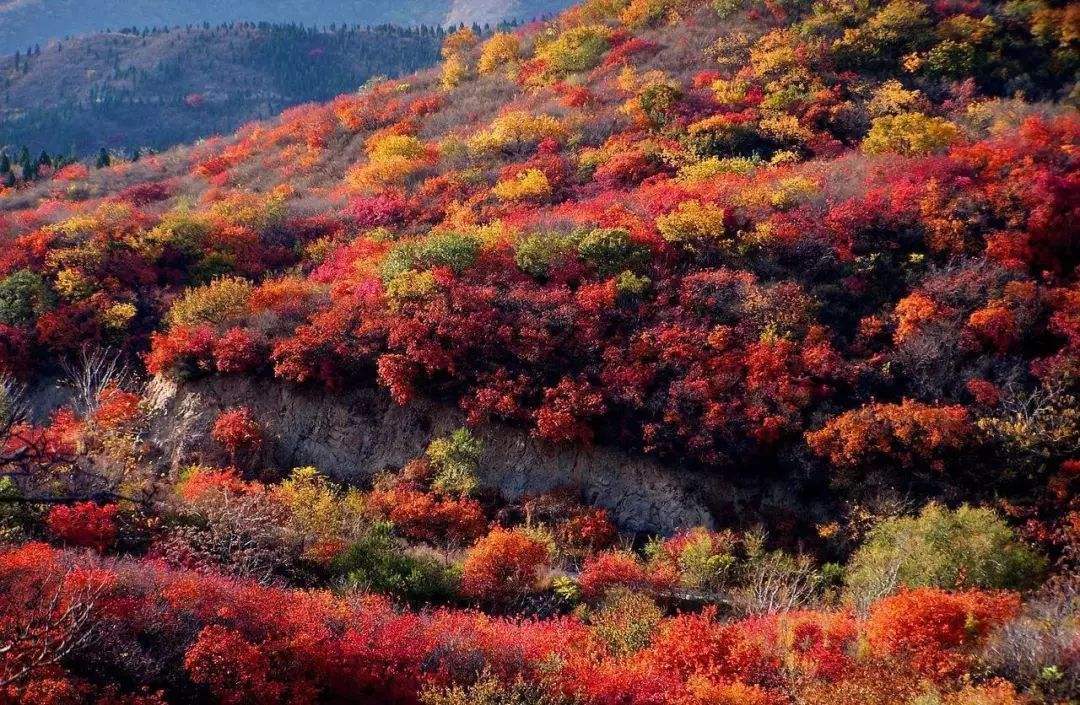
point(248, 643)
point(265, 589)
point(827, 249)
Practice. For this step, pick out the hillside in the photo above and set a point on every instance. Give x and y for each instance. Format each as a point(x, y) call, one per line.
point(155, 89)
point(803, 276)
point(25, 23)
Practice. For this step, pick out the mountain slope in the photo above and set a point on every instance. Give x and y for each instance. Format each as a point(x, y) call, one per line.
point(708, 259)
point(155, 89)
point(495, 11)
point(827, 251)
point(24, 23)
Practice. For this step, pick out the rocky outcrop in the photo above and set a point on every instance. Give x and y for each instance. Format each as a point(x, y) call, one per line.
point(353, 435)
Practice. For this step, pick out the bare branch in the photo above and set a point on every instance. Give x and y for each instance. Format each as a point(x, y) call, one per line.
point(95, 371)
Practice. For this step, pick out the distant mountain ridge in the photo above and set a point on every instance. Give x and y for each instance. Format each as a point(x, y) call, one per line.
point(495, 11)
point(123, 90)
point(25, 23)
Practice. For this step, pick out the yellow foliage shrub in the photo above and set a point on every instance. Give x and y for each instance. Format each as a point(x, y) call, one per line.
point(502, 49)
point(118, 316)
point(180, 229)
point(592, 11)
point(910, 134)
point(792, 191)
point(454, 71)
point(715, 166)
point(785, 127)
point(410, 285)
point(530, 185)
point(643, 13)
point(730, 91)
point(113, 218)
point(517, 129)
point(393, 159)
point(318, 509)
point(692, 220)
point(574, 50)
point(72, 284)
point(218, 302)
point(775, 54)
point(891, 98)
point(386, 147)
point(459, 42)
point(251, 210)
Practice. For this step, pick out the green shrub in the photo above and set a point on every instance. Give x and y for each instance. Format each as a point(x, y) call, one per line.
point(611, 250)
point(718, 137)
point(377, 563)
point(458, 252)
point(626, 620)
point(726, 8)
point(951, 59)
point(534, 254)
point(658, 102)
point(399, 260)
point(967, 548)
point(455, 459)
point(896, 29)
point(23, 297)
point(181, 230)
point(575, 50)
point(631, 285)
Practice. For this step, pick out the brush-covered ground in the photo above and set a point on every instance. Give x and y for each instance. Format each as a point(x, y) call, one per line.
point(834, 242)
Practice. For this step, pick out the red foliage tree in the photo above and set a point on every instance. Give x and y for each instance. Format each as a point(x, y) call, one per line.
point(240, 350)
point(934, 630)
point(430, 517)
point(84, 524)
point(588, 530)
point(185, 348)
point(907, 433)
point(238, 432)
point(566, 411)
point(117, 408)
point(611, 569)
point(380, 210)
point(503, 566)
point(234, 670)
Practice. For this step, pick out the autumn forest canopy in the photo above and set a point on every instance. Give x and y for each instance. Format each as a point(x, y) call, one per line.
point(830, 247)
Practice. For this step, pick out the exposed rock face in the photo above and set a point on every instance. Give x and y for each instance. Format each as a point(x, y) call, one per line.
point(353, 435)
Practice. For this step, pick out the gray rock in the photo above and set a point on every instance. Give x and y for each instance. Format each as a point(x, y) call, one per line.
point(354, 434)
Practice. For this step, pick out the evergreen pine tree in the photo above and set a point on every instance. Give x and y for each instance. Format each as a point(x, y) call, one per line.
point(5, 164)
point(102, 159)
point(27, 165)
